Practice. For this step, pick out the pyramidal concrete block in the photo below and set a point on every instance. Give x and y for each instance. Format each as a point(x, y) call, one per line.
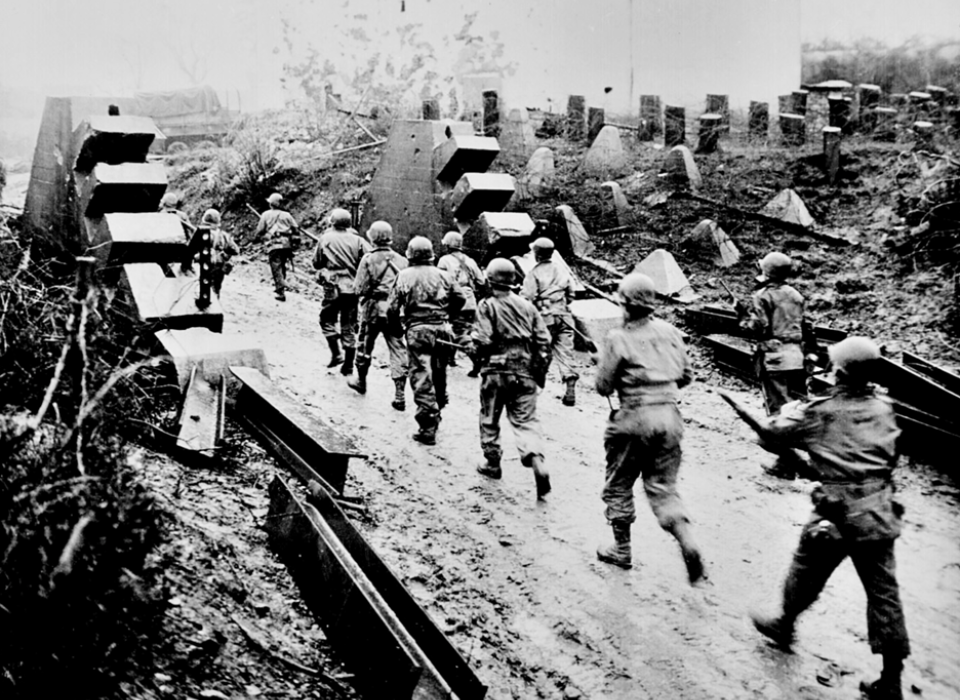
point(787, 206)
point(668, 279)
point(580, 242)
point(605, 157)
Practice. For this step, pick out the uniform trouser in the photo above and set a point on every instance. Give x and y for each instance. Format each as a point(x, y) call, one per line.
point(462, 326)
point(644, 441)
point(279, 258)
point(820, 552)
point(370, 328)
point(561, 345)
point(428, 372)
point(518, 394)
point(217, 273)
point(780, 388)
point(337, 306)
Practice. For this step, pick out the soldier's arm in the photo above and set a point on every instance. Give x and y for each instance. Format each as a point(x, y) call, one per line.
point(793, 426)
point(541, 336)
point(755, 319)
point(455, 297)
point(394, 302)
point(362, 280)
point(482, 333)
point(687, 377)
point(319, 259)
point(529, 288)
point(607, 366)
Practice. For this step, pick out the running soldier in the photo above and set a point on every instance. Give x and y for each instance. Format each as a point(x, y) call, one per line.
point(851, 436)
point(426, 298)
point(646, 363)
point(282, 232)
point(375, 277)
point(467, 273)
point(550, 288)
point(512, 346)
point(775, 321)
point(338, 256)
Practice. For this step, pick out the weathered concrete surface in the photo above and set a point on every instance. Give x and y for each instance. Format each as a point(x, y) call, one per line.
point(708, 238)
point(681, 168)
point(605, 156)
point(708, 138)
point(793, 129)
point(212, 354)
point(123, 237)
point(538, 174)
point(461, 154)
point(129, 187)
point(517, 138)
point(668, 279)
point(831, 152)
point(480, 192)
point(615, 199)
point(157, 298)
point(787, 206)
point(113, 140)
point(495, 234)
point(580, 242)
point(597, 316)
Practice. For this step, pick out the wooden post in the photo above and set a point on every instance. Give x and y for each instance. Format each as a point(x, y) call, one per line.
point(650, 121)
point(792, 129)
point(831, 152)
point(431, 109)
point(720, 104)
point(674, 126)
point(575, 117)
point(595, 121)
point(708, 138)
point(758, 123)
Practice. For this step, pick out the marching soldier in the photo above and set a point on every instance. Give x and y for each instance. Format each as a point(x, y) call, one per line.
point(375, 277)
point(426, 298)
point(645, 363)
point(222, 249)
point(775, 320)
point(282, 232)
point(512, 346)
point(169, 204)
point(338, 256)
point(851, 436)
point(467, 273)
point(550, 288)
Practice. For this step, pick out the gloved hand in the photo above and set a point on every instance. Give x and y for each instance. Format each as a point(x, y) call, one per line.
point(741, 308)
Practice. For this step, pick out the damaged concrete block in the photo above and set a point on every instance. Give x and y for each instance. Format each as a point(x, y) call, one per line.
point(130, 187)
point(113, 140)
point(668, 279)
point(160, 295)
point(615, 199)
point(464, 154)
point(597, 317)
point(212, 354)
point(539, 173)
point(681, 168)
point(708, 139)
point(712, 240)
point(480, 192)
point(580, 242)
point(793, 129)
point(596, 118)
point(605, 156)
point(498, 233)
point(517, 138)
point(122, 238)
point(787, 206)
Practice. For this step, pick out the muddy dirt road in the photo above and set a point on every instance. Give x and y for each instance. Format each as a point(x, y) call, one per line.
point(516, 583)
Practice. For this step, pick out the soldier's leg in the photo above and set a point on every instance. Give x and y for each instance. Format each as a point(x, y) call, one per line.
point(886, 627)
point(348, 331)
point(278, 270)
point(328, 323)
point(420, 355)
point(359, 383)
point(522, 414)
point(399, 369)
point(623, 470)
point(778, 389)
point(440, 357)
point(775, 390)
point(491, 408)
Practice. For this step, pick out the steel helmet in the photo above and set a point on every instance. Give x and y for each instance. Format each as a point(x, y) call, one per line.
point(542, 248)
point(636, 290)
point(340, 218)
point(169, 200)
point(211, 217)
point(453, 239)
point(274, 199)
point(855, 356)
point(419, 250)
point(380, 232)
point(501, 272)
point(776, 266)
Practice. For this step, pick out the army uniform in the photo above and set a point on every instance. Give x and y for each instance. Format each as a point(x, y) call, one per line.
point(281, 230)
point(468, 275)
point(168, 205)
point(426, 298)
point(338, 256)
point(550, 289)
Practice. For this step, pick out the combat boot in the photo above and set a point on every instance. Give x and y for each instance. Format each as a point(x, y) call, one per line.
point(359, 383)
point(541, 476)
point(426, 436)
point(619, 553)
point(335, 357)
point(474, 370)
point(399, 401)
point(348, 355)
point(570, 397)
point(888, 686)
point(779, 630)
point(491, 468)
point(696, 572)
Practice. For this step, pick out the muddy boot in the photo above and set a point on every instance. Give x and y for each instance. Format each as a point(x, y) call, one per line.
point(541, 476)
point(696, 573)
point(359, 383)
point(778, 630)
point(335, 357)
point(570, 397)
point(279, 294)
point(475, 370)
point(888, 686)
point(348, 355)
point(491, 468)
point(426, 436)
point(399, 401)
point(618, 553)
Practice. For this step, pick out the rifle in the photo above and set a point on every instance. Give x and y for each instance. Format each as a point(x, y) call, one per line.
point(316, 239)
point(743, 413)
point(733, 297)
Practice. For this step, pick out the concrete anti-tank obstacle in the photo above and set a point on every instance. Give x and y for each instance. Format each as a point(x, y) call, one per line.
point(674, 126)
point(430, 109)
point(923, 132)
point(614, 197)
point(720, 104)
point(708, 138)
point(605, 157)
point(576, 108)
point(538, 174)
point(650, 121)
point(868, 96)
point(798, 102)
point(793, 129)
point(491, 113)
point(758, 121)
point(681, 169)
point(840, 112)
point(596, 117)
point(787, 206)
point(831, 152)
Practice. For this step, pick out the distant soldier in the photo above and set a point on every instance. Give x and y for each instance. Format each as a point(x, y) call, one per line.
point(550, 288)
point(282, 232)
point(170, 204)
point(512, 346)
point(471, 279)
point(851, 436)
point(222, 248)
point(338, 256)
point(775, 320)
point(646, 363)
point(375, 277)
point(426, 298)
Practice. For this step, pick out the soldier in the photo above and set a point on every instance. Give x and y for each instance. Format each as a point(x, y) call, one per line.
point(511, 344)
point(375, 277)
point(646, 363)
point(169, 204)
point(550, 288)
point(222, 248)
point(282, 233)
point(471, 280)
point(851, 436)
point(775, 320)
point(426, 298)
point(338, 256)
